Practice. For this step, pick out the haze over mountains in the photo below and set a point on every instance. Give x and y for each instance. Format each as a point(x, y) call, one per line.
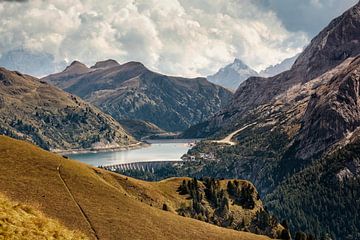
point(232, 75)
point(35, 63)
point(131, 91)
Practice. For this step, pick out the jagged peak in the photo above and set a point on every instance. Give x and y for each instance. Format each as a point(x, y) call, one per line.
point(335, 43)
point(238, 63)
point(106, 64)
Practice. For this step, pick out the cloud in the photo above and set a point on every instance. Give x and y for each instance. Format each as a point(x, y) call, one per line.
point(178, 37)
point(13, 1)
point(309, 16)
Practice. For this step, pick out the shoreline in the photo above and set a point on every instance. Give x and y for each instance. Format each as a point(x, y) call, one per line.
point(97, 150)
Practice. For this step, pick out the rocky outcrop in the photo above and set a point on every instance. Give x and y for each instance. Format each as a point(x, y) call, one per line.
point(132, 92)
point(333, 111)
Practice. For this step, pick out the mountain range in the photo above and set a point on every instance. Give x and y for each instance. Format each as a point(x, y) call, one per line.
point(132, 92)
point(294, 135)
point(232, 75)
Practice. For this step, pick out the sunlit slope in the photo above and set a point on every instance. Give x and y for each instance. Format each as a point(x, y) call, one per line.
point(19, 221)
point(101, 204)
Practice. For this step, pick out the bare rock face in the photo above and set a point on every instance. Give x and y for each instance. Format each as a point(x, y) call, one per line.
point(337, 42)
point(333, 111)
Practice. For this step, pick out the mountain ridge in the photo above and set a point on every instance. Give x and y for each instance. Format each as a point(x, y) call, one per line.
point(130, 91)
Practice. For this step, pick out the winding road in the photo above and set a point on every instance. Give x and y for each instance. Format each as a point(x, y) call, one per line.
point(228, 138)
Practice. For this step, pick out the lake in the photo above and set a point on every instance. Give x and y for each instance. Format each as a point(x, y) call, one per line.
point(159, 150)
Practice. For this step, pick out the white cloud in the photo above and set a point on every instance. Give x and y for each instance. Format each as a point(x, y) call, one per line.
point(185, 37)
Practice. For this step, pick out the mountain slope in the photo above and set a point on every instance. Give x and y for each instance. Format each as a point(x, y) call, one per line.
point(328, 187)
point(47, 116)
point(140, 129)
point(101, 204)
point(298, 118)
point(132, 92)
point(21, 220)
point(232, 75)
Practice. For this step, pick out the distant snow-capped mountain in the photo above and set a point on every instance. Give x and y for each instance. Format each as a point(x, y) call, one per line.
point(232, 75)
point(279, 68)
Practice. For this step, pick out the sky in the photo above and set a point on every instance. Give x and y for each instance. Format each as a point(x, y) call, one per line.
point(177, 37)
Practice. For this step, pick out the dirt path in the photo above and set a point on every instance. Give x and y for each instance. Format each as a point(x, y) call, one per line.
point(86, 218)
point(227, 139)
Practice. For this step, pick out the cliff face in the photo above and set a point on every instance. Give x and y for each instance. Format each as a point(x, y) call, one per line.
point(333, 111)
point(47, 116)
point(132, 92)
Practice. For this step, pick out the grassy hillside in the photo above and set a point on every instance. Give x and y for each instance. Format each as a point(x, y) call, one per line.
point(19, 221)
point(101, 204)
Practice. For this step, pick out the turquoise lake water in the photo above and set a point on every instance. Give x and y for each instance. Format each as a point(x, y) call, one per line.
point(159, 150)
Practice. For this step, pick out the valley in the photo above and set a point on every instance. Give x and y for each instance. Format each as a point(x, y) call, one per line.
point(109, 128)
point(130, 91)
point(100, 204)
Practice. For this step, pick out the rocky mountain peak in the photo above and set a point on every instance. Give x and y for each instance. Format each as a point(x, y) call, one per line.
point(76, 67)
point(238, 64)
point(337, 42)
point(232, 75)
point(106, 64)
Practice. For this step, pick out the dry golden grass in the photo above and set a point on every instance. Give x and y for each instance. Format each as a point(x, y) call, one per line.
point(19, 221)
point(117, 207)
